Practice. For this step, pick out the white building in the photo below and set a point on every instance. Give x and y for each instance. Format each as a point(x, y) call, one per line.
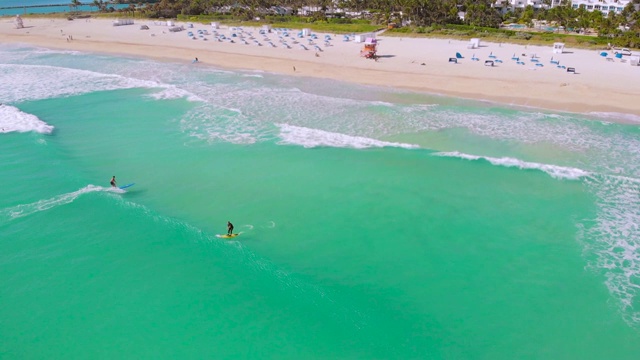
point(506, 5)
point(604, 6)
point(590, 5)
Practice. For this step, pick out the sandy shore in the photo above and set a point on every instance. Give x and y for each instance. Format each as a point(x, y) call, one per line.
point(599, 85)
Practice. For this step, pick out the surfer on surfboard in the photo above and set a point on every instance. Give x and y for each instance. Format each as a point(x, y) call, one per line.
point(113, 181)
point(229, 228)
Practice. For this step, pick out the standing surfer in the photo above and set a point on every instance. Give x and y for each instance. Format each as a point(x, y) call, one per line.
point(229, 228)
point(113, 181)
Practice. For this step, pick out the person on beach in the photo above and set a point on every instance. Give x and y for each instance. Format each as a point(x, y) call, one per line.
point(229, 228)
point(113, 181)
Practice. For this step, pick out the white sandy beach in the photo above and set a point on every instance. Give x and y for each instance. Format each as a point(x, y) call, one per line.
point(599, 85)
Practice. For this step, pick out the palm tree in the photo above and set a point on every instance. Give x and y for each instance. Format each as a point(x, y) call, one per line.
point(74, 4)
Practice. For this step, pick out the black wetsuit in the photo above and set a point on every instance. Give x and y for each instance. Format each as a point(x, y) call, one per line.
point(113, 182)
point(230, 228)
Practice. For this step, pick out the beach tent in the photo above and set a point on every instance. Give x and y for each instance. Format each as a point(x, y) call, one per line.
point(120, 22)
point(266, 28)
point(215, 25)
point(474, 43)
point(558, 48)
point(634, 60)
point(306, 32)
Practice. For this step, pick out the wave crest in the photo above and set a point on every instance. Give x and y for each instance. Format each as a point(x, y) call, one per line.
point(310, 138)
point(12, 119)
point(555, 171)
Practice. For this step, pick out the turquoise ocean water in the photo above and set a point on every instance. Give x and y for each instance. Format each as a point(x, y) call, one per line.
point(21, 7)
point(375, 224)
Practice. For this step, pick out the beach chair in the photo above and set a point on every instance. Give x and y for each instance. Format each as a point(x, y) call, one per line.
point(534, 60)
point(554, 62)
point(513, 57)
point(561, 66)
point(520, 62)
point(488, 63)
point(539, 65)
point(326, 44)
point(303, 47)
point(318, 48)
point(453, 60)
point(571, 70)
point(474, 58)
point(497, 61)
point(459, 56)
point(491, 56)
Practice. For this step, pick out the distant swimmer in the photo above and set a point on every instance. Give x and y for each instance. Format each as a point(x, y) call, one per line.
point(229, 228)
point(113, 181)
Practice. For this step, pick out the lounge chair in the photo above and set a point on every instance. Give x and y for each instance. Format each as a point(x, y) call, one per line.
point(491, 56)
point(488, 63)
point(453, 60)
point(571, 70)
point(474, 58)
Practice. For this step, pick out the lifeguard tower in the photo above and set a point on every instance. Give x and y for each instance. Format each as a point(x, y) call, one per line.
point(19, 24)
point(369, 48)
point(558, 48)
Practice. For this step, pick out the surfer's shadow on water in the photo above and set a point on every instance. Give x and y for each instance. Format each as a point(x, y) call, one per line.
point(132, 193)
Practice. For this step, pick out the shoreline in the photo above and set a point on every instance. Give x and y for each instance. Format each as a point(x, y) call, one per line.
point(415, 64)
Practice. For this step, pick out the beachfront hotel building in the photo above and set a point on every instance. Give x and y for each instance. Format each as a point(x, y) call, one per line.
point(604, 6)
point(590, 5)
point(506, 5)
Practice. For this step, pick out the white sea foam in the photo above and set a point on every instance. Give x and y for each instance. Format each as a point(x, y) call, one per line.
point(173, 92)
point(612, 240)
point(12, 119)
point(34, 82)
point(309, 138)
point(46, 204)
point(555, 171)
point(616, 116)
point(218, 124)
